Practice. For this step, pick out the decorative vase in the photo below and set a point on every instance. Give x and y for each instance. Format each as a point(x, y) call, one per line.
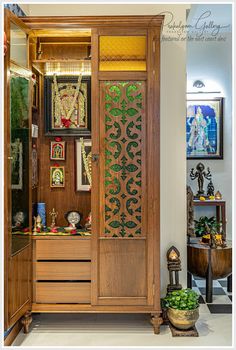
point(41, 210)
point(183, 319)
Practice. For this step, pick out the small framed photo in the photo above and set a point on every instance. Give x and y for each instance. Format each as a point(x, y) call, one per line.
point(83, 164)
point(57, 176)
point(57, 150)
point(204, 129)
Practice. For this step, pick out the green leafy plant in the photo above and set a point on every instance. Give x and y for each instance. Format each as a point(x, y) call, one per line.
point(183, 299)
point(206, 225)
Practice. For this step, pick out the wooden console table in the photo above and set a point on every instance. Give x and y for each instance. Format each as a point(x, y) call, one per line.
point(210, 264)
point(220, 209)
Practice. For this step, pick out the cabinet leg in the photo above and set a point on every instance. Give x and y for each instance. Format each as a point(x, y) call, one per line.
point(189, 280)
point(26, 321)
point(209, 282)
point(229, 284)
point(156, 321)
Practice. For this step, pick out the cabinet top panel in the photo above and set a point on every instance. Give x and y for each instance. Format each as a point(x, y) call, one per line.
point(47, 22)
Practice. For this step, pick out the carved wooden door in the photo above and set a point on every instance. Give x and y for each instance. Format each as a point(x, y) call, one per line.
point(123, 241)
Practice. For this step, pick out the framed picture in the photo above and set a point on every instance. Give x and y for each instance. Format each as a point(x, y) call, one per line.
point(204, 129)
point(57, 150)
point(57, 176)
point(82, 180)
point(17, 165)
point(67, 112)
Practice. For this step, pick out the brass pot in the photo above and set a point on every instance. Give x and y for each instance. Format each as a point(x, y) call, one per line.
point(183, 319)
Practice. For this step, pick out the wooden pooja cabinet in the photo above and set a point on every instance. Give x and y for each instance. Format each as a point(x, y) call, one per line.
point(117, 268)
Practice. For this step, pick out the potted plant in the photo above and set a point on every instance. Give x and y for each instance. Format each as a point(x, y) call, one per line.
point(203, 225)
point(182, 308)
point(210, 230)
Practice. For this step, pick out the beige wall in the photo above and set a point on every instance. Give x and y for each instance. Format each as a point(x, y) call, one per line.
point(173, 89)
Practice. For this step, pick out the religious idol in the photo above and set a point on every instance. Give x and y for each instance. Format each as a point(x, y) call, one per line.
point(200, 174)
point(210, 189)
point(37, 224)
point(73, 218)
point(19, 219)
point(88, 222)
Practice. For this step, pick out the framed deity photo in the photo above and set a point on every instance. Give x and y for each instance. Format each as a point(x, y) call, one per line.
point(57, 176)
point(83, 164)
point(57, 150)
point(67, 105)
point(204, 129)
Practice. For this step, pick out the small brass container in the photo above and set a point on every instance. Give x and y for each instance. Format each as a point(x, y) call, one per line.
point(183, 319)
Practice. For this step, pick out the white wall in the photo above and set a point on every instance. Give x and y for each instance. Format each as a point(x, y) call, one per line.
point(211, 62)
point(173, 89)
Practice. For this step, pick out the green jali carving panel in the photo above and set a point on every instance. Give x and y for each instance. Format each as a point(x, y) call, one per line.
point(124, 114)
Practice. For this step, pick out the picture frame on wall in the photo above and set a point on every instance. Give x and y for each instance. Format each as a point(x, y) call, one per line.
point(204, 129)
point(66, 112)
point(57, 150)
point(57, 176)
point(82, 181)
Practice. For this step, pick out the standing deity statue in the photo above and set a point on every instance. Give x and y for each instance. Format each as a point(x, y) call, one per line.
point(200, 174)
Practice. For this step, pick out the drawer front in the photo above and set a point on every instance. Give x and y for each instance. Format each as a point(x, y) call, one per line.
point(51, 270)
point(59, 292)
point(63, 249)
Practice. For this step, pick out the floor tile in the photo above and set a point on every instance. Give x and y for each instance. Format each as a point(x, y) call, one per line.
point(215, 291)
point(223, 283)
point(202, 283)
point(221, 299)
point(201, 300)
point(203, 309)
point(225, 289)
point(220, 308)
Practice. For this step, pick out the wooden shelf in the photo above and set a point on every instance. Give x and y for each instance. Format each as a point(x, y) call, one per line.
point(68, 67)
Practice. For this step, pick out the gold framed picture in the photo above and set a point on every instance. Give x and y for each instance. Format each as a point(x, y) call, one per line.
point(57, 150)
point(57, 176)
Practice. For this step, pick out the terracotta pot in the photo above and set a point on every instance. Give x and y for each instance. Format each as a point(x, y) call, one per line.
point(183, 319)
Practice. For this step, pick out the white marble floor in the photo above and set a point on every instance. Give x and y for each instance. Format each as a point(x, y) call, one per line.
point(121, 330)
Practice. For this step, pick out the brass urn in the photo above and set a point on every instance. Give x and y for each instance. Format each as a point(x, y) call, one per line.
point(183, 319)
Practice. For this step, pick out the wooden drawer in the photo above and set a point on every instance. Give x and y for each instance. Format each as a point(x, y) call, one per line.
point(63, 249)
point(51, 270)
point(62, 292)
